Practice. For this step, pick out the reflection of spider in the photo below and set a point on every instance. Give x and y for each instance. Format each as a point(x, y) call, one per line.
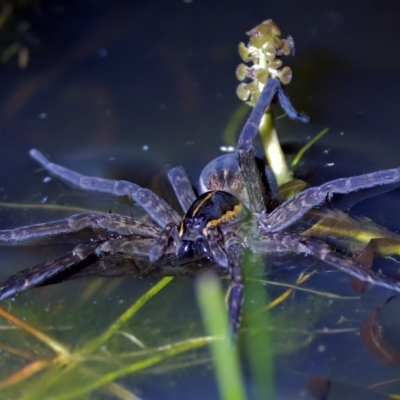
point(216, 226)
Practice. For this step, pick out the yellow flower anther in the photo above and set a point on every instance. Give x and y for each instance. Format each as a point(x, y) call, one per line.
point(242, 92)
point(252, 85)
point(275, 29)
point(259, 35)
point(275, 64)
point(262, 75)
point(286, 48)
point(286, 75)
point(263, 53)
point(278, 43)
point(257, 41)
point(269, 51)
point(254, 97)
point(244, 52)
point(241, 72)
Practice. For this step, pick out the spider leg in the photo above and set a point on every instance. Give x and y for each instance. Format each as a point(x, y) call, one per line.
point(158, 209)
point(132, 245)
point(235, 298)
point(161, 212)
point(215, 241)
point(182, 187)
point(111, 222)
point(282, 242)
point(323, 252)
point(169, 232)
point(252, 180)
point(245, 153)
point(38, 275)
point(293, 209)
point(288, 108)
point(252, 124)
point(272, 88)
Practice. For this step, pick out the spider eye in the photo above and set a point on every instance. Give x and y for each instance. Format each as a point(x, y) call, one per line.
point(193, 249)
point(195, 223)
point(202, 246)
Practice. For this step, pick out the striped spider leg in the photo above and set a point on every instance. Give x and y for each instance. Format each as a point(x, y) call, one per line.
point(125, 234)
point(239, 175)
point(273, 235)
point(272, 232)
point(211, 226)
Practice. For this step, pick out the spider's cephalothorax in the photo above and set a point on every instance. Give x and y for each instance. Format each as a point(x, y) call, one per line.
point(205, 223)
point(215, 209)
point(216, 224)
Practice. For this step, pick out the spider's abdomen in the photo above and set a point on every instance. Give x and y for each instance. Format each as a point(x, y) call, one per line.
point(223, 173)
point(215, 208)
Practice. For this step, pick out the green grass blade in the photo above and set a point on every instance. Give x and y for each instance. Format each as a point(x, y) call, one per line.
point(106, 379)
point(224, 352)
point(121, 320)
point(59, 372)
point(257, 334)
point(301, 152)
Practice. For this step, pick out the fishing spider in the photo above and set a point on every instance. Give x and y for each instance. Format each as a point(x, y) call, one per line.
point(217, 225)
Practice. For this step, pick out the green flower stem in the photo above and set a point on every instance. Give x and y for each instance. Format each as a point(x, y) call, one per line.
point(273, 151)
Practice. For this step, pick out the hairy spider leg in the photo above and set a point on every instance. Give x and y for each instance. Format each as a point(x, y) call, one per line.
point(271, 89)
point(169, 232)
point(40, 274)
point(119, 224)
point(246, 154)
point(252, 180)
point(280, 242)
point(294, 208)
point(287, 106)
point(184, 192)
point(159, 210)
point(216, 243)
point(234, 251)
point(182, 187)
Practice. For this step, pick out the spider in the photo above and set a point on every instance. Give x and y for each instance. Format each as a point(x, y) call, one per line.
point(228, 216)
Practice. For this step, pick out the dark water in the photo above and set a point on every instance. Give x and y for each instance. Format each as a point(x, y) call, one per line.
point(126, 89)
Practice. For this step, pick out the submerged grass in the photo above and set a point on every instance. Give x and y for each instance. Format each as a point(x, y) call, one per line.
point(224, 350)
point(104, 380)
point(73, 374)
point(257, 334)
point(306, 147)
